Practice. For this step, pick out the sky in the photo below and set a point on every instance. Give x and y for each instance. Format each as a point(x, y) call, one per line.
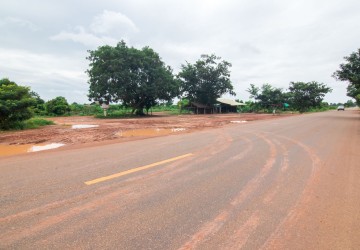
point(44, 43)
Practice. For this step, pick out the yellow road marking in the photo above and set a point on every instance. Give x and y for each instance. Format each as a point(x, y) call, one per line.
point(109, 177)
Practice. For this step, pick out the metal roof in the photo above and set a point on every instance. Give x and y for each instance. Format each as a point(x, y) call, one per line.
point(230, 102)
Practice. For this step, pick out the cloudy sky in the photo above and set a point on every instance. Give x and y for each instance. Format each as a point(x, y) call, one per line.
point(44, 43)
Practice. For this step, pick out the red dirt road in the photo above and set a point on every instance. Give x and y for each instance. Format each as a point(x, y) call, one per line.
point(290, 183)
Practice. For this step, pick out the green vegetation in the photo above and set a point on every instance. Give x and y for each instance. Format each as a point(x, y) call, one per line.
point(120, 111)
point(182, 103)
point(57, 106)
point(140, 82)
point(31, 123)
point(350, 104)
point(136, 78)
point(266, 98)
point(15, 104)
point(206, 80)
point(116, 115)
point(38, 107)
point(302, 97)
point(306, 96)
point(85, 109)
point(350, 72)
point(36, 123)
point(18, 105)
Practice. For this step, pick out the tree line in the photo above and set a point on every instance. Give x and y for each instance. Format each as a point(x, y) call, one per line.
point(138, 79)
point(301, 96)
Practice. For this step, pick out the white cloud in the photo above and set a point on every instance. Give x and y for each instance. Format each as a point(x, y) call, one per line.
point(80, 35)
point(110, 21)
point(107, 28)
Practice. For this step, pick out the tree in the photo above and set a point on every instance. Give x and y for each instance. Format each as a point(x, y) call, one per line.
point(253, 91)
point(350, 71)
point(304, 96)
point(206, 80)
point(57, 106)
point(15, 103)
point(270, 97)
point(137, 78)
point(39, 105)
point(183, 103)
point(267, 97)
point(350, 104)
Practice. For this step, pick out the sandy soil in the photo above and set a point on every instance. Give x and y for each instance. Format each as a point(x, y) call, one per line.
point(109, 129)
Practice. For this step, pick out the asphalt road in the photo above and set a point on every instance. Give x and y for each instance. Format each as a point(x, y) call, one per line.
point(289, 183)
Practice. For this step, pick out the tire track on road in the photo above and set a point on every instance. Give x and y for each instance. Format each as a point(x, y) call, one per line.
point(298, 209)
point(217, 223)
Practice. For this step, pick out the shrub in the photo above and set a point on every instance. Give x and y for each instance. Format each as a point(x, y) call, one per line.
point(57, 106)
point(15, 104)
point(36, 123)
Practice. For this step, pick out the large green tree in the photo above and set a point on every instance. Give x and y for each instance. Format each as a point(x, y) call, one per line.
point(350, 72)
point(137, 78)
point(306, 95)
point(206, 80)
point(15, 104)
point(267, 97)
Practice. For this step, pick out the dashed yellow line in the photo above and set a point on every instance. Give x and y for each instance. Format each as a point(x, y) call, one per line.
point(130, 171)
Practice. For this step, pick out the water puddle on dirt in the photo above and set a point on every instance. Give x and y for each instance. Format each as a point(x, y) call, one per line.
point(6, 150)
point(149, 132)
point(238, 121)
point(80, 126)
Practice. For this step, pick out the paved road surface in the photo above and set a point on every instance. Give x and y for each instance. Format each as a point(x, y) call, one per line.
point(290, 183)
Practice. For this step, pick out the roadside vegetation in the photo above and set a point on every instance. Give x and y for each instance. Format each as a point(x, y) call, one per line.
point(301, 97)
point(35, 123)
point(132, 82)
point(350, 72)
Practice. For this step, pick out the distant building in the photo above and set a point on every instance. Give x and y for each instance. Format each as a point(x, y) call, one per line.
point(198, 108)
point(223, 106)
point(227, 105)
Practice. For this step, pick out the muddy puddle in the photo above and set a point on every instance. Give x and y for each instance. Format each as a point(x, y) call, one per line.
point(149, 132)
point(238, 121)
point(6, 150)
point(81, 126)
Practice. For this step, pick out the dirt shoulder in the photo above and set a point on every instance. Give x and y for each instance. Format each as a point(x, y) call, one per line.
point(109, 130)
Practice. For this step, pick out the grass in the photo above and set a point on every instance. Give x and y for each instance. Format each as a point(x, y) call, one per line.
point(28, 124)
point(115, 114)
point(36, 123)
point(118, 114)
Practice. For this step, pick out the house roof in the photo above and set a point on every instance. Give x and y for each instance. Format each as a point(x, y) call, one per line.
point(229, 102)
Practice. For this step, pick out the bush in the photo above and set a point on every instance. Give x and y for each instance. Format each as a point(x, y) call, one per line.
point(32, 123)
point(36, 123)
point(57, 106)
point(85, 109)
point(15, 104)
